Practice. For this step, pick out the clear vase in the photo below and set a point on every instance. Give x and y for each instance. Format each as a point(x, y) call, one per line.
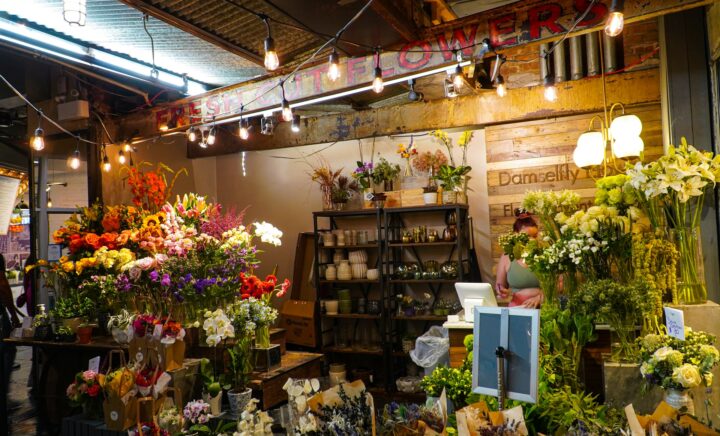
point(691, 287)
point(679, 399)
point(622, 343)
point(326, 197)
point(262, 337)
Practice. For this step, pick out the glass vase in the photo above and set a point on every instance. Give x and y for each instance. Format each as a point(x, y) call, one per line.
point(622, 343)
point(691, 287)
point(326, 197)
point(262, 337)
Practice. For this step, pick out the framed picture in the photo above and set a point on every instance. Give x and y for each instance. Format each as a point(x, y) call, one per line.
point(517, 331)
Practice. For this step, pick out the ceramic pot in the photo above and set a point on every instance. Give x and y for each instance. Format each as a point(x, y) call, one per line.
point(84, 334)
point(122, 336)
point(358, 256)
point(373, 274)
point(238, 401)
point(331, 272)
point(679, 399)
point(344, 272)
point(338, 256)
point(345, 306)
point(362, 237)
point(331, 307)
point(328, 239)
point(214, 402)
point(359, 270)
point(430, 197)
point(340, 239)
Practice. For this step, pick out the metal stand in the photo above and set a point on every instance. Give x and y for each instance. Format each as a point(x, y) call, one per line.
point(500, 354)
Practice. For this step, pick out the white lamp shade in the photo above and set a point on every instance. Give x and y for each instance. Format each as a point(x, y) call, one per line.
point(628, 147)
point(625, 126)
point(590, 149)
point(74, 12)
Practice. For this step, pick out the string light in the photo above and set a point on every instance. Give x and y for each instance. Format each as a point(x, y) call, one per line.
point(458, 76)
point(121, 157)
point(127, 147)
point(105, 161)
point(271, 58)
point(287, 114)
point(244, 173)
point(49, 202)
point(500, 87)
point(74, 159)
point(244, 131)
point(192, 134)
point(38, 140)
point(550, 91)
point(378, 80)
point(295, 124)
point(334, 67)
point(212, 135)
point(203, 140)
point(615, 20)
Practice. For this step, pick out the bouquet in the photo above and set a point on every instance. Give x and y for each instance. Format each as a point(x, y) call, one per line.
point(676, 364)
point(513, 243)
point(85, 391)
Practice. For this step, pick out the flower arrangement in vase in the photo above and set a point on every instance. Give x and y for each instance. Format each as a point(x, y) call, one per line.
point(342, 190)
point(86, 391)
point(407, 153)
point(326, 177)
point(385, 173)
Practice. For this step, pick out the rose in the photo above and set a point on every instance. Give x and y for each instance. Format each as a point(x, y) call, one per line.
point(92, 240)
point(123, 238)
point(145, 263)
point(687, 376)
point(662, 353)
point(93, 390)
point(76, 243)
point(89, 375)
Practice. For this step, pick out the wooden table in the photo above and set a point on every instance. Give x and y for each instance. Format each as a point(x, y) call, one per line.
point(268, 386)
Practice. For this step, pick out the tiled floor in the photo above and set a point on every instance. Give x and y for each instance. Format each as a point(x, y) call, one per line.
point(23, 419)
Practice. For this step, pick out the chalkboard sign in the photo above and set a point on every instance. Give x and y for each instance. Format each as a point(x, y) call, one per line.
point(516, 330)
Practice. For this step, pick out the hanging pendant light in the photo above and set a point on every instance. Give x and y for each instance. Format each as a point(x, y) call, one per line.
point(287, 114)
point(295, 124)
point(334, 66)
point(75, 12)
point(590, 149)
point(625, 134)
point(377, 84)
point(121, 157)
point(616, 19)
point(272, 62)
point(74, 160)
point(500, 87)
point(550, 92)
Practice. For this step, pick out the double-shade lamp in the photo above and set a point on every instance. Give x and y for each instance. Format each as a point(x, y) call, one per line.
point(624, 137)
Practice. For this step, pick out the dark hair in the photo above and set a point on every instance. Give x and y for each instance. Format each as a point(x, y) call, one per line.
point(2, 262)
point(523, 221)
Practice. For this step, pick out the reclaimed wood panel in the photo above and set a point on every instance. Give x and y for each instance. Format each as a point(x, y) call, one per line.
point(537, 155)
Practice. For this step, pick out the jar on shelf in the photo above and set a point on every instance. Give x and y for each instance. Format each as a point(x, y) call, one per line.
point(344, 271)
point(359, 270)
point(331, 272)
point(338, 256)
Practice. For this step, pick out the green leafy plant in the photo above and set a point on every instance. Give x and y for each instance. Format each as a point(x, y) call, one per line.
point(64, 331)
point(513, 244)
point(343, 189)
point(451, 177)
point(384, 171)
point(73, 306)
point(457, 383)
point(240, 364)
point(211, 384)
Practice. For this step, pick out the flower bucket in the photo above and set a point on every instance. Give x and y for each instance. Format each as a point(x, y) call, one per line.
point(238, 401)
point(691, 287)
point(679, 400)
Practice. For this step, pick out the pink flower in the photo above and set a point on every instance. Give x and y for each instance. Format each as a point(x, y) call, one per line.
point(89, 375)
point(71, 390)
point(160, 258)
point(145, 263)
point(283, 288)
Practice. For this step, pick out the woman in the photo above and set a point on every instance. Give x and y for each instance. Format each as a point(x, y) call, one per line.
point(514, 277)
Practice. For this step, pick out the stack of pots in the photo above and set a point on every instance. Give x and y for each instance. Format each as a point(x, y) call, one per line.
point(344, 301)
point(358, 263)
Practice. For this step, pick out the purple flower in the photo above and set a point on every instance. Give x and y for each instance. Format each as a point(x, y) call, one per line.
point(165, 280)
point(122, 283)
point(154, 275)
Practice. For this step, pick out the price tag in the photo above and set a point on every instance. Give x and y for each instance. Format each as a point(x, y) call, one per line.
point(675, 323)
point(157, 333)
point(27, 322)
point(94, 364)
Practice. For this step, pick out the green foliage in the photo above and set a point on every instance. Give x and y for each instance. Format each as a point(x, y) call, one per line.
point(384, 171)
point(210, 382)
point(73, 306)
point(451, 177)
point(240, 363)
point(457, 383)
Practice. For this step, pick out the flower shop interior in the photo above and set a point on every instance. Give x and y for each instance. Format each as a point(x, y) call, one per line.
point(413, 217)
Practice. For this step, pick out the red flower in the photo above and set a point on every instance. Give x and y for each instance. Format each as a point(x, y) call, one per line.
point(76, 244)
point(284, 288)
point(108, 240)
point(93, 390)
point(93, 240)
point(271, 278)
point(245, 296)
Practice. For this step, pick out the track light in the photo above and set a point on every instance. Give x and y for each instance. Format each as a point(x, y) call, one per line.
point(334, 67)
point(500, 87)
point(414, 95)
point(615, 20)
point(295, 124)
point(271, 58)
point(551, 93)
point(212, 136)
point(192, 134)
point(74, 159)
point(267, 124)
point(377, 84)
point(121, 157)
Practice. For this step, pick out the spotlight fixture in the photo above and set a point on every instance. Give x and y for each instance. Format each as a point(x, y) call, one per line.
point(38, 140)
point(295, 124)
point(75, 12)
point(500, 87)
point(212, 136)
point(377, 84)
point(551, 93)
point(615, 20)
point(414, 95)
point(74, 159)
point(334, 66)
point(267, 124)
point(287, 114)
point(271, 58)
point(121, 157)
point(192, 134)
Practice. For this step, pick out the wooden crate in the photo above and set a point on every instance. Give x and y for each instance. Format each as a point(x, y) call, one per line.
point(268, 386)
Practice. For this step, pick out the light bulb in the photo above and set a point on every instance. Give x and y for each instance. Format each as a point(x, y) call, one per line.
point(244, 132)
point(49, 203)
point(106, 164)
point(614, 24)
point(500, 87)
point(212, 136)
point(551, 93)
point(378, 85)
point(287, 114)
point(192, 134)
point(127, 147)
point(121, 157)
point(334, 67)
point(38, 141)
point(295, 124)
point(164, 128)
point(74, 160)
point(458, 77)
point(271, 58)
point(203, 144)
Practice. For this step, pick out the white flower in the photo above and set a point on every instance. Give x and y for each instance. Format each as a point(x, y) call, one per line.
point(268, 233)
point(662, 353)
point(687, 375)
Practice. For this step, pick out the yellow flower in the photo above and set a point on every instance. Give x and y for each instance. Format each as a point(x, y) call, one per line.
point(68, 267)
point(152, 220)
point(687, 375)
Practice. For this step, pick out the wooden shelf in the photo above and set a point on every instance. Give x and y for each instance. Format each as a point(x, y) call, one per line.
point(348, 213)
point(421, 244)
point(350, 281)
point(442, 318)
point(352, 316)
point(352, 247)
point(428, 208)
point(410, 281)
point(348, 350)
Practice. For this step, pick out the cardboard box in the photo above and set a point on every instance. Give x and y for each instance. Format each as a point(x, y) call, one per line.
point(298, 320)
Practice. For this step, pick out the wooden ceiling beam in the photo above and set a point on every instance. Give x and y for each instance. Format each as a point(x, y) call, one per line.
point(396, 18)
point(442, 12)
point(194, 30)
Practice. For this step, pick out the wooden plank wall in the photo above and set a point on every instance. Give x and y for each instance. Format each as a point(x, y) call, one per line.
point(537, 155)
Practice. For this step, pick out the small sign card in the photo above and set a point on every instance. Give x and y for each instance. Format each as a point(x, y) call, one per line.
point(94, 364)
point(675, 323)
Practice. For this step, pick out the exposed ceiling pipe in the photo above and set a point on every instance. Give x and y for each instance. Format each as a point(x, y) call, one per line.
point(558, 56)
point(88, 73)
point(576, 61)
point(593, 57)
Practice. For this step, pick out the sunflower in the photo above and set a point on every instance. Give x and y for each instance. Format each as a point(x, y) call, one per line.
point(152, 220)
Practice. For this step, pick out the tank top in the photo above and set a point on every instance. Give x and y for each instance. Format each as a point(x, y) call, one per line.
point(520, 277)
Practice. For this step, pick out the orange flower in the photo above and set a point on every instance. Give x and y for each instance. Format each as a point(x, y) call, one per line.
point(59, 235)
point(109, 240)
point(123, 238)
point(111, 222)
point(76, 245)
point(93, 240)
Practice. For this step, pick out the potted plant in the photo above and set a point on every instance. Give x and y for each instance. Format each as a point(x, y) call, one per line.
point(72, 309)
point(363, 176)
point(42, 327)
point(239, 370)
point(342, 191)
point(430, 194)
point(120, 326)
point(385, 173)
point(84, 333)
point(212, 390)
point(451, 180)
point(64, 334)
